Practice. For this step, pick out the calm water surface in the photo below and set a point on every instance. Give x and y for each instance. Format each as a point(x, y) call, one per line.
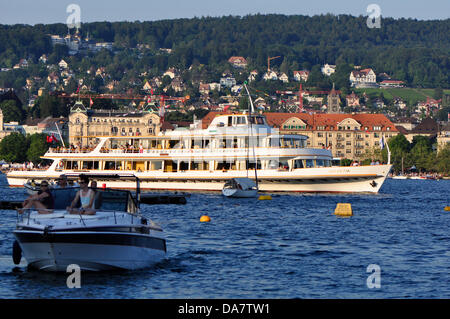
point(289, 247)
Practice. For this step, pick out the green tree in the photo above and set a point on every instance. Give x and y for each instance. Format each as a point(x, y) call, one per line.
point(421, 153)
point(13, 148)
point(37, 147)
point(11, 111)
point(399, 147)
point(442, 162)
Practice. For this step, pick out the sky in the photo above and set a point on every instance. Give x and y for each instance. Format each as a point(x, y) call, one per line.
point(55, 11)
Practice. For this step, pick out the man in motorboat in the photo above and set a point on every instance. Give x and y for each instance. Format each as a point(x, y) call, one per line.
point(97, 195)
point(62, 193)
point(43, 201)
point(86, 196)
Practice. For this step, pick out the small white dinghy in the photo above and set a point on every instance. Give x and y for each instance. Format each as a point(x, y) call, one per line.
point(240, 187)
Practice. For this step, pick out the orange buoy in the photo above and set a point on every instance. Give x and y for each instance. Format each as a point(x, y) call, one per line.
point(205, 218)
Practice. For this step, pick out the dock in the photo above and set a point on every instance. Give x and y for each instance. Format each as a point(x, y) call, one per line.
point(148, 199)
point(156, 198)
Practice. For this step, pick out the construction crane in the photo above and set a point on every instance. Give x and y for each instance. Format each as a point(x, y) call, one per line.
point(268, 61)
point(300, 94)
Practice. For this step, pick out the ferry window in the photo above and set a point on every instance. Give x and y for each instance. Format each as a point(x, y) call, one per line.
point(298, 143)
point(251, 164)
point(261, 120)
point(110, 165)
point(254, 141)
point(156, 165)
point(68, 165)
point(327, 163)
point(203, 166)
point(230, 120)
point(240, 120)
point(320, 163)
point(274, 164)
point(298, 164)
point(90, 165)
point(309, 163)
point(197, 143)
point(184, 166)
point(274, 142)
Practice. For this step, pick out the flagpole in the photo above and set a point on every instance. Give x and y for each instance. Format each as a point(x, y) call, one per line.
point(62, 140)
point(388, 150)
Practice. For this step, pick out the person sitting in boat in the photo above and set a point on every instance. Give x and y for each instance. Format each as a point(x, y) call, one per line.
point(43, 201)
point(86, 197)
point(62, 193)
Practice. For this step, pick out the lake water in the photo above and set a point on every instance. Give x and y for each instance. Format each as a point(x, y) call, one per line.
point(292, 246)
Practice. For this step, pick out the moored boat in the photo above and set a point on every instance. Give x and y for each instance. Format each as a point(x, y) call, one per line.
point(240, 187)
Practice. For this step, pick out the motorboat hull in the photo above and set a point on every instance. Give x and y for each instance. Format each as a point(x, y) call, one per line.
point(91, 251)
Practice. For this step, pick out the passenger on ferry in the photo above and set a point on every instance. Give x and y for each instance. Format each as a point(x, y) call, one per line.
point(43, 201)
point(86, 197)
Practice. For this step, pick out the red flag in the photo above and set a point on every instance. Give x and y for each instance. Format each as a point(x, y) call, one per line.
point(226, 107)
point(78, 89)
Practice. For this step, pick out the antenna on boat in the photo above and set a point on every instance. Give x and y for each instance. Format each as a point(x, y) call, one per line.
point(250, 111)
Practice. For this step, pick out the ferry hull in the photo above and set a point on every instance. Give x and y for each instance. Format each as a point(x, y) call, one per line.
point(366, 179)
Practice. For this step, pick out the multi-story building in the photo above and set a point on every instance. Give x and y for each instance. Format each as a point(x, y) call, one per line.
point(363, 78)
point(87, 124)
point(328, 69)
point(443, 137)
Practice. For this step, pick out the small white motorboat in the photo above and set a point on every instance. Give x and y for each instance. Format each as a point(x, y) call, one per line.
point(116, 237)
point(240, 187)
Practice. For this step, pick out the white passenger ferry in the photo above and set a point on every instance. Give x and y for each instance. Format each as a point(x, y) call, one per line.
point(196, 159)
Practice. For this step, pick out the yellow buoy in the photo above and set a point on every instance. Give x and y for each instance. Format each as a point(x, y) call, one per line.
point(205, 218)
point(447, 208)
point(343, 209)
point(265, 197)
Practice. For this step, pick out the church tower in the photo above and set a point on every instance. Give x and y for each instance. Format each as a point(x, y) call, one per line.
point(333, 102)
